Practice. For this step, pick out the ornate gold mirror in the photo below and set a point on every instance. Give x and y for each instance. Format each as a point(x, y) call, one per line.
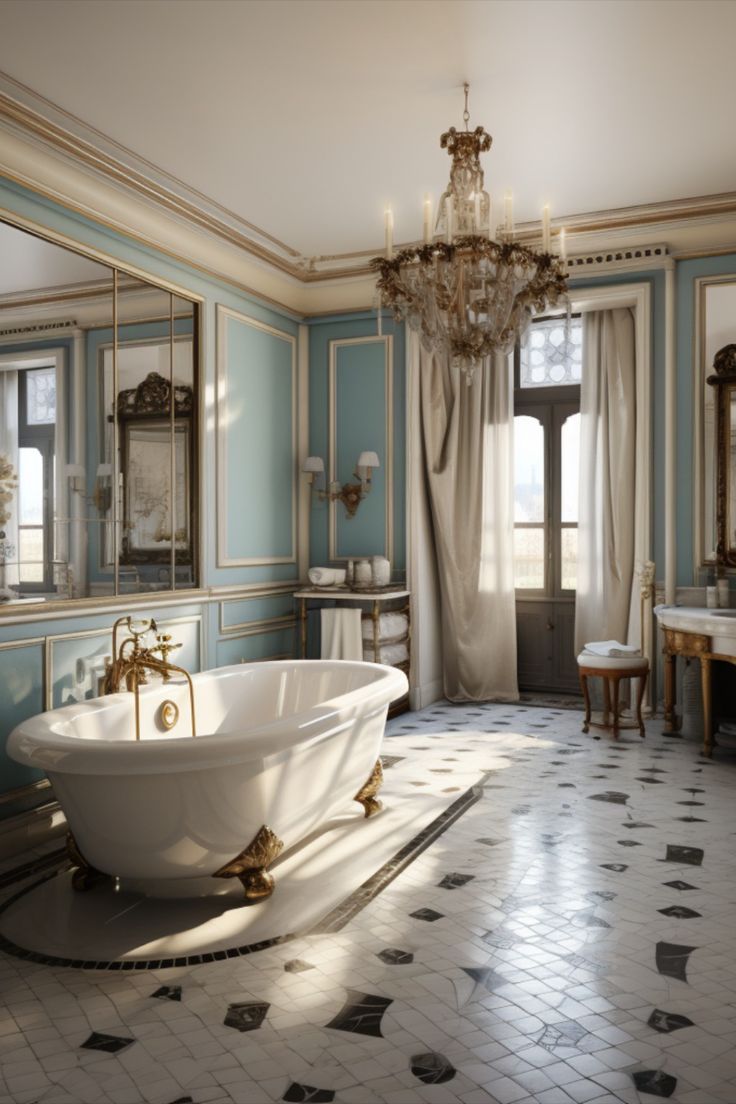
point(724, 383)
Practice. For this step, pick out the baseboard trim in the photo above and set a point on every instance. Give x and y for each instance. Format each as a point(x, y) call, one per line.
point(31, 829)
point(422, 696)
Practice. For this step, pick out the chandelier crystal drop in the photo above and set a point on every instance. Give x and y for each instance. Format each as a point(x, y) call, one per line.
point(465, 294)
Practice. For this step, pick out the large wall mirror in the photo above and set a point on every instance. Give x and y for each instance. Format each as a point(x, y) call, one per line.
point(98, 428)
point(717, 466)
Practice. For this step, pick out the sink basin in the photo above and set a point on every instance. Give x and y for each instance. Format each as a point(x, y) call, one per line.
point(723, 613)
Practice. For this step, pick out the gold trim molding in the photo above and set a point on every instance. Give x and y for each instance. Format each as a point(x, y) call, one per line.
point(29, 115)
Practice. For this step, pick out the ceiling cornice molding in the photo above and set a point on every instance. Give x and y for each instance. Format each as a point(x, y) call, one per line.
point(30, 114)
point(63, 136)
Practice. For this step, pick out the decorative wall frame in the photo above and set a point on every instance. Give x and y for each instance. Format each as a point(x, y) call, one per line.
point(224, 558)
point(387, 461)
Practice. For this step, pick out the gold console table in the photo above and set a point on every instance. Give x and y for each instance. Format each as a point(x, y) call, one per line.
point(704, 634)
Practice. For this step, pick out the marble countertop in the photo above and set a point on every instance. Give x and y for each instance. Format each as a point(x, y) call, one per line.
point(719, 624)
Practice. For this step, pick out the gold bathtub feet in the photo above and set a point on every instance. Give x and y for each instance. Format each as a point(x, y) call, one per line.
point(85, 876)
point(366, 795)
point(250, 865)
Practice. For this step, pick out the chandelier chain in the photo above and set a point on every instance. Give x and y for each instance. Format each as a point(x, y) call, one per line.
point(466, 113)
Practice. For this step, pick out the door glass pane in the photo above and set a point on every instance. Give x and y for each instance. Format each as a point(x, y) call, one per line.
point(569, 468)
point(529, 559)
point(551, 353)
point(30, 547)
point(30, 466)
point(528, 469)
point(569, 558)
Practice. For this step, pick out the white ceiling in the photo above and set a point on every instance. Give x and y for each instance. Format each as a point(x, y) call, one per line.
point(306, 117)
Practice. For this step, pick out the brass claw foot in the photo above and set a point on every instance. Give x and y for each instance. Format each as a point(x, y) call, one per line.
point(366, 795)
point(250, 865)
point(85, 876)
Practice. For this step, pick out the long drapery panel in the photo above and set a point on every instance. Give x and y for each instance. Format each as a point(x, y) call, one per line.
point(467, 445)
point(604, 609)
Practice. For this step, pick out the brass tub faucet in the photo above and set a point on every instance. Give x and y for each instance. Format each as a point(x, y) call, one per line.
point(132, 660)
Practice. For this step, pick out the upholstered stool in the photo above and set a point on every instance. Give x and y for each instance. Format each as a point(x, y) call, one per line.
point(612, 670)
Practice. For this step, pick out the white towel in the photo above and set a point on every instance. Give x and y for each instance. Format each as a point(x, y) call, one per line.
point(390, 626)
point(387, 653)
point(612, 649)
point(341, 634)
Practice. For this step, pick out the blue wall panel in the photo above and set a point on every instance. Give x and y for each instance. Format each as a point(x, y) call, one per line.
point(256, 419)
point(21, 696)
point(357, 418)
point(360, 388)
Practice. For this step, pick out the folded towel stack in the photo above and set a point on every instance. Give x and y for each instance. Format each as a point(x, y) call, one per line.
point(612, 649)
point(391, 626)
point(387, 653)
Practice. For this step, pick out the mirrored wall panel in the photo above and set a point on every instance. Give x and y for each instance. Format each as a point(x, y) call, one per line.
point(717, 328)
point(98, 428)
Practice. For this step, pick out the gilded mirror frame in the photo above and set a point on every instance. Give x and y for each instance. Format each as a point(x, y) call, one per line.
point(723, 381)
point(708, 337)
point(194, 556)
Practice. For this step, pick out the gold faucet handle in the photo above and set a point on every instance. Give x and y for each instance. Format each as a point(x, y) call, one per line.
point(164, 646)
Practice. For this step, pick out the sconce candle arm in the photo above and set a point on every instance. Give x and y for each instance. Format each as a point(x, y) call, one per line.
point(350, 494)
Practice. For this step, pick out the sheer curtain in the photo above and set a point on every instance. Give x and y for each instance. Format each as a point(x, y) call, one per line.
point(9, 572)
point(605, 608)
point(466, 441)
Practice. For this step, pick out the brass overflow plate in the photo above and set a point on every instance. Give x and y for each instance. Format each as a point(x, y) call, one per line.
point(169, 714)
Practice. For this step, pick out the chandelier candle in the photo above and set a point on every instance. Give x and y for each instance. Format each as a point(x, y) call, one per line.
point(509, 214)
point(389, 221)
point(427, 219)
point(545, 229)
point(466, 295)
point(563, 245)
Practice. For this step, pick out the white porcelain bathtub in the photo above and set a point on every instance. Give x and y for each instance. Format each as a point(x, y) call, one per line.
point(283, 744)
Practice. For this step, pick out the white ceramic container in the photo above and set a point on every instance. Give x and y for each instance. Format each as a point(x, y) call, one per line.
point(363, 574)
point(285, 744)
point(381, 571)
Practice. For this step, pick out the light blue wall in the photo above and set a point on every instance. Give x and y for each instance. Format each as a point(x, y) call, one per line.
point(361, 425)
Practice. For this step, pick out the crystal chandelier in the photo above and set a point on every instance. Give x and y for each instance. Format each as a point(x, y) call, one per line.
point(466, 294)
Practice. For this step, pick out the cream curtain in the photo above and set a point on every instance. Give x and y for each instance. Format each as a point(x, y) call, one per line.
point(466, 441)
point(9, 572)
point(605, 608)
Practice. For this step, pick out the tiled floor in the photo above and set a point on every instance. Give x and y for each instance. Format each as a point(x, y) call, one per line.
point(569, 938)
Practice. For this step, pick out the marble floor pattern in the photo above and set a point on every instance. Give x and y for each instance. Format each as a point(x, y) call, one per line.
point(568, 939)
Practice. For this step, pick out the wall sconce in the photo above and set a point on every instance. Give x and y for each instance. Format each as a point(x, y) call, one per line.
point(101, 497)
point(350, 494)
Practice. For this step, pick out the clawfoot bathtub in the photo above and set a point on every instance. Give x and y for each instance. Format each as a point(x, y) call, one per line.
point(282, 746)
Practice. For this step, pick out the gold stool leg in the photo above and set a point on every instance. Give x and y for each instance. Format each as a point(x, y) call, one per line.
point(639, 699)
point(586, 699)
point(606, 702)
point(615, 683)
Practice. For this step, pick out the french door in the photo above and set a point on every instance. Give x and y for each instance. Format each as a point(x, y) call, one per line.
point(546, 475)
